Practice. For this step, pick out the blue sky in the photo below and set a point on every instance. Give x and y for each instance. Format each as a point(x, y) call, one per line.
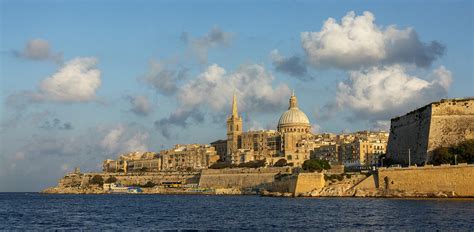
point(83, 81)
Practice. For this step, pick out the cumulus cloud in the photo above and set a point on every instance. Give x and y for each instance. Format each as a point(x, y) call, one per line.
point(39, 49)
point(122, 139)
point(213, 89)
point(200, 46)
point(76, 81)
point(140, 105)
point(294, 66)
point(163, 78)
point(358, 42)
point(56, 124)
point(381, 93)
point(252, 84)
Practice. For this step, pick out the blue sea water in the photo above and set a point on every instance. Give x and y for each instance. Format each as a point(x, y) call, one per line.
point(34, 211)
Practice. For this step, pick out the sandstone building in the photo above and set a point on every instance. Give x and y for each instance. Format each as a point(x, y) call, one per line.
point(269, 145)
point(415, 135)
point(179, 158)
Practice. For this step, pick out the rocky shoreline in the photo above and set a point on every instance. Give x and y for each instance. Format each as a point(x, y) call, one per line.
point(325, 192)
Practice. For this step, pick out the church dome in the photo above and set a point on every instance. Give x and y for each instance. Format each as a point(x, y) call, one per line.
point(293, 120)
point(293, 116)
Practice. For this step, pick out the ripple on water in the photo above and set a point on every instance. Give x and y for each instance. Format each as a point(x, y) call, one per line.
point(189, 212)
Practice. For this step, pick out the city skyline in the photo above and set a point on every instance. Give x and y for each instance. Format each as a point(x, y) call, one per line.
point(83, 83)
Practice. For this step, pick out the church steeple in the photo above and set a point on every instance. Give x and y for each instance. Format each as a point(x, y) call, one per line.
point(235, 111)
point(293, 101)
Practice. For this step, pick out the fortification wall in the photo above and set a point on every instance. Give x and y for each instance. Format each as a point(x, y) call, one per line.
point(239, 177)
point(410, 131)
point(452, 121)
point(442, 123)
point(307, 182)
point(447, 178)
point(135, 179)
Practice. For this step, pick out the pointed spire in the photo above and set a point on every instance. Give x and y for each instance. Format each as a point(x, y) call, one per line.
point(293, 101)
point(235, 111)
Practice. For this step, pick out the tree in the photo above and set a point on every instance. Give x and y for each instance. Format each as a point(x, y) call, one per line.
point(316, 165)
point(253, 164)
point(97, 179)
point(280, 163)
point(111, 179)
point(464, 153)
point(221, 165)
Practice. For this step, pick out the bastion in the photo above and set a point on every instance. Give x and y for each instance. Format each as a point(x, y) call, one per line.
point(415, 135)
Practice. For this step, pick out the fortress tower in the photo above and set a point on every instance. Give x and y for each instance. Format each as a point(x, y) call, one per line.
point(234, 130)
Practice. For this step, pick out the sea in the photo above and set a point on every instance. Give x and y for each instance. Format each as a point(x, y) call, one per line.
point(34, 211)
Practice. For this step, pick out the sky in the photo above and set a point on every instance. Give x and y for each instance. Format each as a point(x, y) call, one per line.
point(83, 81)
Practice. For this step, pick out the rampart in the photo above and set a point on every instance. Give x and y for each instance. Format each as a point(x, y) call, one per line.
point(446, 178)
point(239, 177)
point(131, 179)
point(419, 132)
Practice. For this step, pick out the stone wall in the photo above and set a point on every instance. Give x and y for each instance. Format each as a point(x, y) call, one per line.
point(421, 131)
point(446, 178)
point(452, 121)
point(132, 179)
point(410, 132)
point(239, 177)
point(307, 182)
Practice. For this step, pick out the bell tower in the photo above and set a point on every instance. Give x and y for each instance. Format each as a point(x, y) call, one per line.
point(234, 130)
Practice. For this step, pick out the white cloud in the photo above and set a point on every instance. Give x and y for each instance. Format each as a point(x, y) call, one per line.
point(76, 81)
point(140, 105)
point(252, 83)
point(122, 139)
point(111, 139)
point(39, 49)
point(384, 92)
point(213, 90)
point(358, 42)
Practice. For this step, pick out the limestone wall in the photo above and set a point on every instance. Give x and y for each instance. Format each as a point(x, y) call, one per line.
point(410, 132)
point(452, 121)
point(449, 178)
point(307, 182)
point(442, 123)
point(133, 179)
point(239, 177)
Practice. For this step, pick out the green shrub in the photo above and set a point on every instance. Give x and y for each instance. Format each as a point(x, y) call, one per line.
point(446, 155)
point(149, 184)
point(221, 165)
point(313, 165)
point(97, 179)
point(253, 164)
point(111, 179)
point(280, 163)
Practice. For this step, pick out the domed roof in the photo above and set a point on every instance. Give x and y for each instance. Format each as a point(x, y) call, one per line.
point(293, 115)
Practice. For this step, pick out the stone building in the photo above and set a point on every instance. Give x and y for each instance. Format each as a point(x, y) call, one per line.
point(329, 152)
point(269, 145)
point(221, 148)
point(415, 135)
point(365, 148)
point(188, 157)
point(134, 162)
